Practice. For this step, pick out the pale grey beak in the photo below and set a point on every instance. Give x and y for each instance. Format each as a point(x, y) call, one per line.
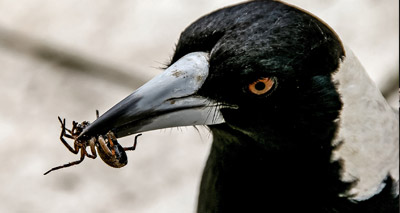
point(168, 100)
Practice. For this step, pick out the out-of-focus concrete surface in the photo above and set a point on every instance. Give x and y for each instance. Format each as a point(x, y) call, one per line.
point(131, 39)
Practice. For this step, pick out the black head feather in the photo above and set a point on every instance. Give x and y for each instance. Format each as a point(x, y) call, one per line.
point(267, 39)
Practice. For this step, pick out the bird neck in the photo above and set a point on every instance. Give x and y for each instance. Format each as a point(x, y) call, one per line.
point(242, 170)
point(297, 147)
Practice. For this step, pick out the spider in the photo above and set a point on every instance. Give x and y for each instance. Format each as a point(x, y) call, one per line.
point(108, 148)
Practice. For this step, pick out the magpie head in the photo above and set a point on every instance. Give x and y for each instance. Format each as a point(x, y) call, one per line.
point(270, 60)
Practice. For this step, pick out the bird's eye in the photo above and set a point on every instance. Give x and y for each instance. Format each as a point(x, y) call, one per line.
point(261, 86)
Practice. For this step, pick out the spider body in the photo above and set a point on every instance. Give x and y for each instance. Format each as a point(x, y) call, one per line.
point(117, 158)
point(108, 148)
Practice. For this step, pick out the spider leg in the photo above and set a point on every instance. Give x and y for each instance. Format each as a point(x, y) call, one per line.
point(63, 127)
point(110, 140)
point(97, 113)
point(68, 164)
point(73, 130)
point(134, 144)
point(76, 150)
point(103, 146)
point(92, 145)
point(69, 136)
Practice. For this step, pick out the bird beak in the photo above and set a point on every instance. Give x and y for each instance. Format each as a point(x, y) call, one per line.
point(168, 100)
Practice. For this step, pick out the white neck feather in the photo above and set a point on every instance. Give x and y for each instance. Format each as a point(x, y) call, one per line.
point(368, 129)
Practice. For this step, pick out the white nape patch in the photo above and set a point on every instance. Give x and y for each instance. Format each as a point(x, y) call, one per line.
point(369, 130)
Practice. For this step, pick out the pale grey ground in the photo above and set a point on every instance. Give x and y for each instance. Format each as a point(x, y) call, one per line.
point(132, 39)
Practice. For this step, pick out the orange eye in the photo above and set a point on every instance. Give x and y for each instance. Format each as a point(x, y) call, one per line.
point(261, 86)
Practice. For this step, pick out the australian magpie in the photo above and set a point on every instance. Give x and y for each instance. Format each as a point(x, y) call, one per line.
point(297, 124)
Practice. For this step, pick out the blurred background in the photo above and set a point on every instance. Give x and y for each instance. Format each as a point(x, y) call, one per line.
point(69, 58)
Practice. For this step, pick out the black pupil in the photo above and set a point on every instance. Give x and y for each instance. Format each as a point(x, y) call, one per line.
point(259, 86)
